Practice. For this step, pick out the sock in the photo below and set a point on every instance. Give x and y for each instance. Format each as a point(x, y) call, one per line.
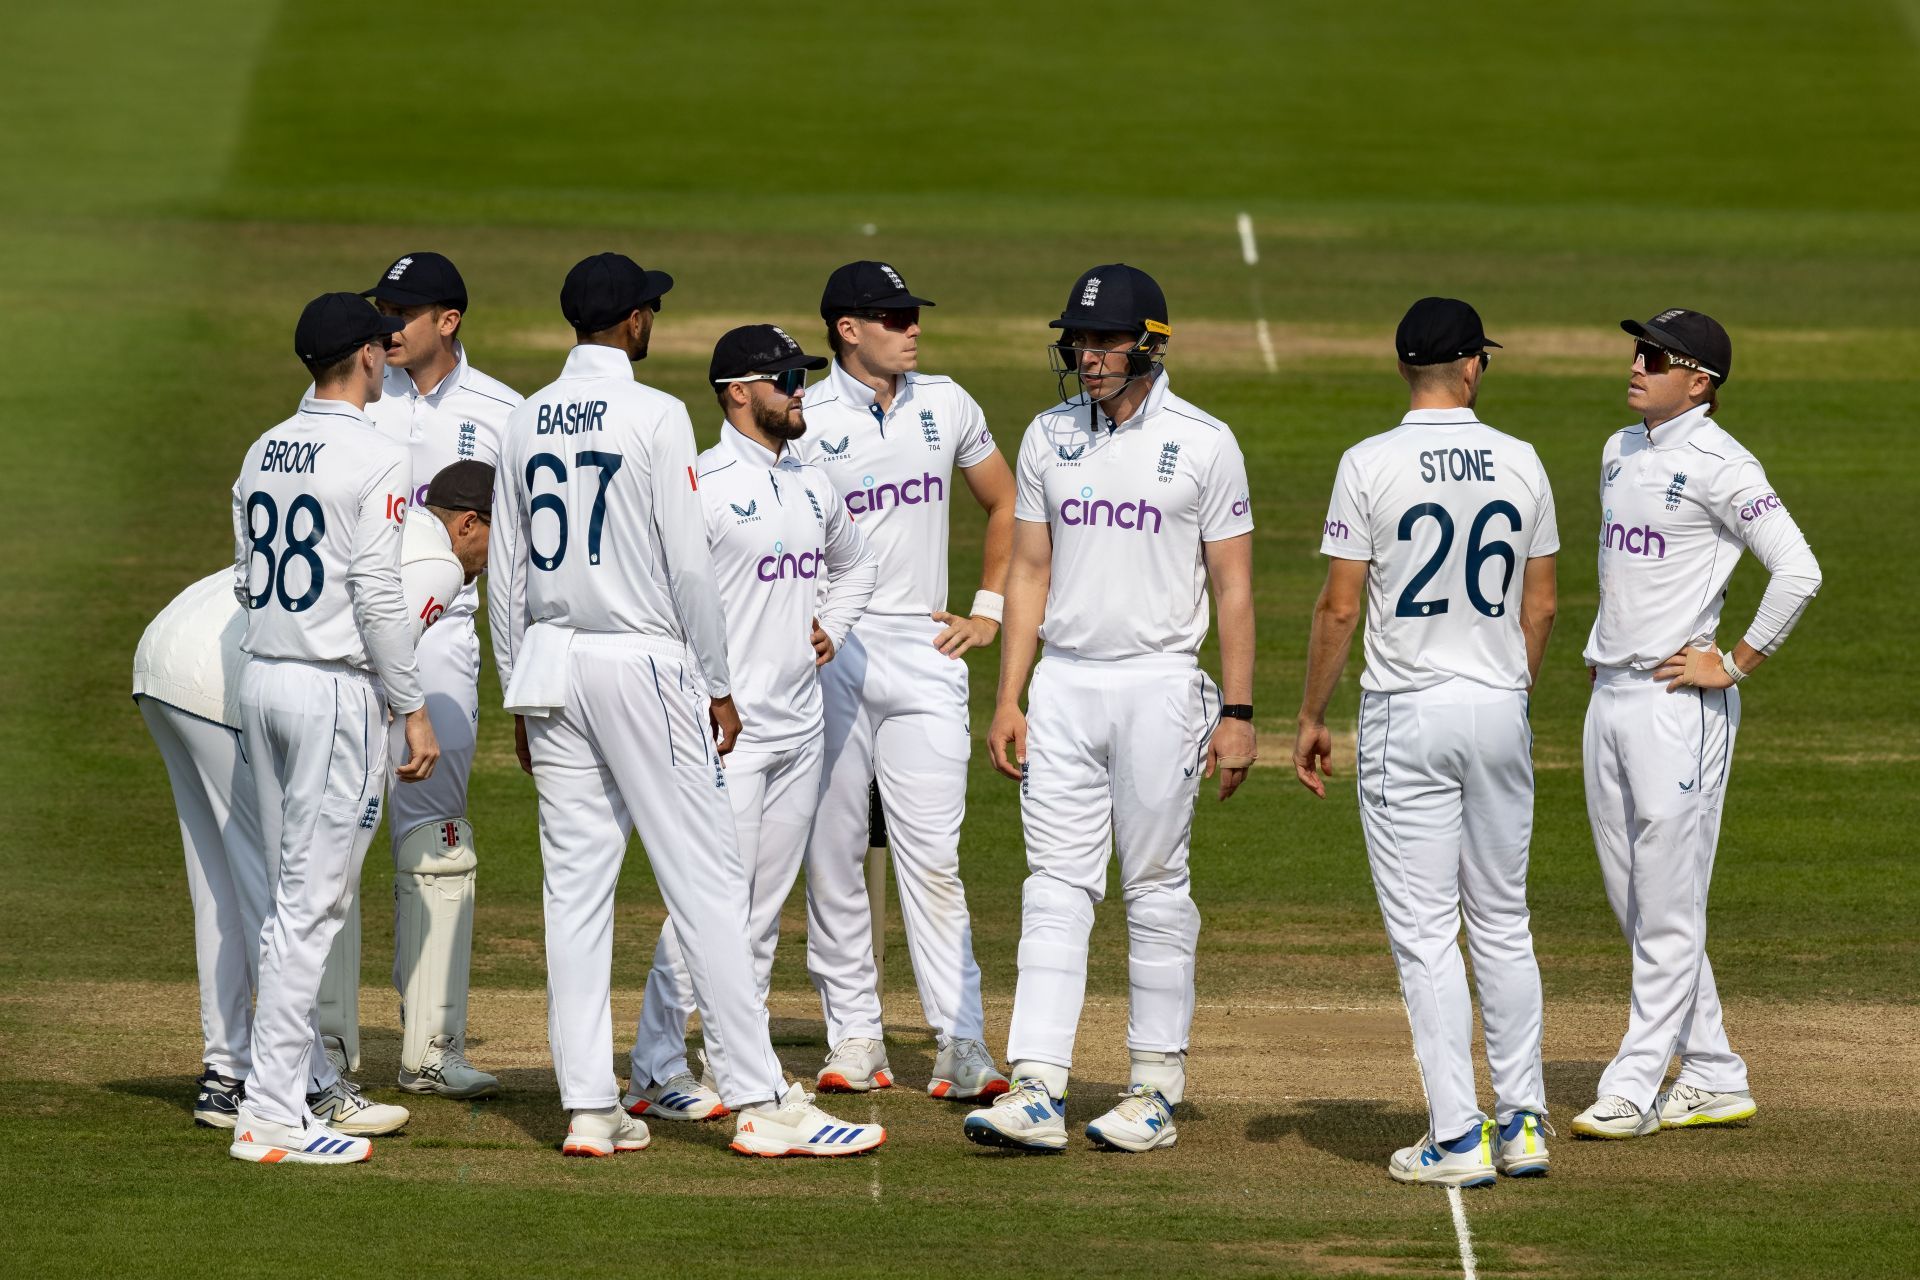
point(1462, 1144)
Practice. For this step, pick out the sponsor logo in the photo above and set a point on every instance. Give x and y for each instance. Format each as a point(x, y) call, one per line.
point(783, 564)
point(910, 493)
point(1688, 785)
point(748, 513)
point(1069, 455)
point(986, 435)
point(1642, 541)
point(1089, 510)
point(785, 337)
point(1336, 529)
point(836, 450)
point(397, 270)
point(1169, 460)
point(1613, 473)
point(1759, 507)
point(1243, 504)
point(431, 614)
point(397, 507)
point(1090, 291)
point(1674, 487)
point(370, 817)
point(928, 431)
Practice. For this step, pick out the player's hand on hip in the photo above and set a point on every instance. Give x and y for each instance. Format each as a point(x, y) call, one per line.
point(822, 646)
point(521, 750)
point(423, 749)
point(1009, 729)
point(726, 724)
point(963, 634)
point(1694, 669)
point(1313, 756)
point(1231, 752)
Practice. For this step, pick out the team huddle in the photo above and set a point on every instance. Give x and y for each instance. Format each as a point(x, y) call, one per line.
point(737, 652)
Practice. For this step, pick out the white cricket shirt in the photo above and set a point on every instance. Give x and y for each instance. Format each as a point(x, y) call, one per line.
point(778, 533)
point(462, 418)
point(1448, 511)
point(1677, 509)
point(1129, 508)
point(430, 573)
point(895, 473)
point(317, 510)
point(597, 524)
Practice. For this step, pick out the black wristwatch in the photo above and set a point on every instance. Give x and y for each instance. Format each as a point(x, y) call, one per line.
point(1237, 711)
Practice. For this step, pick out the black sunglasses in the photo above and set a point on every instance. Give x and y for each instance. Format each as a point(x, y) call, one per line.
point(898, 319)
point(788, 382)
point(1657, 360)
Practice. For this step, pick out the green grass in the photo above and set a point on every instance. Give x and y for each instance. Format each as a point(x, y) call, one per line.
point(181, 179)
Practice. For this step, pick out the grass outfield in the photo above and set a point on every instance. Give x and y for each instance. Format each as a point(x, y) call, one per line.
point(179, 183)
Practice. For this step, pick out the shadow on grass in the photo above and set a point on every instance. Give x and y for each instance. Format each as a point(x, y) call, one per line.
point(1364, 1130)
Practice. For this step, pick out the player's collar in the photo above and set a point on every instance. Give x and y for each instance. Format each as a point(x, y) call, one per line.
point(320, 406)
point(455, 376)
point(1676, 430)
point(1439, 416)
point(735, 442)
point(589, 360)
point(858, 394)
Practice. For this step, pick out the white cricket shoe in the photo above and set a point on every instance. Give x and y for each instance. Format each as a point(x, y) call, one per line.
point(342, 1106)
point(964, 1070)
point(1429, 1163)
point(1142, 1121)
point(856, 1065)
point(1521, 1151)
point(1614, 1117)
point(680, 1098)
point(793, 1126)
point(445, 1070)
point(1685, 1107)
point(265, 1142)
point(1026, 1117)
point(608, 1131)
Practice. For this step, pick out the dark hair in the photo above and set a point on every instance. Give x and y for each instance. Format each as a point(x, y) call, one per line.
point(332, 369)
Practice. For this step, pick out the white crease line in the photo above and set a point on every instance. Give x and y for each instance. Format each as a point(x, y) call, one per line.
point(1250, 254)
point(1467, 1263)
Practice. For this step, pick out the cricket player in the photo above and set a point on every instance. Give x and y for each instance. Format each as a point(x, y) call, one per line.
point(1681, 499)
point(612, 649)
point(1131, 501)
point(186, 680)
point(778, 533)
point(442, 410)
point(317, 513)
point(1445, 527)
point(890, 437)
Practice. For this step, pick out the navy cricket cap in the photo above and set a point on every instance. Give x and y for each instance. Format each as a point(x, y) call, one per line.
point(866, 286)
point(339, 324)
point(1439, 331)
point(421, 280)
point(1689, 333)
point(466, 485)
point(758, 348)
point(605, 289)
point(1115, 298)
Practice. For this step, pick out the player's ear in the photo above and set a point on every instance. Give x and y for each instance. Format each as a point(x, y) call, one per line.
point(848, 330)
point(449, 322)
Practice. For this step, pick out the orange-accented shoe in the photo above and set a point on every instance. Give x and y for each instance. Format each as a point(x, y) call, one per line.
point(608, 1131)
point(964, 1072)
point(856, 1065)
point(793, 1126)
point(266, 1142)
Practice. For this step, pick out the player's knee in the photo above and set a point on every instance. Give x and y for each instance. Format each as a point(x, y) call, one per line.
point(1049, 903)
point(1163, 916)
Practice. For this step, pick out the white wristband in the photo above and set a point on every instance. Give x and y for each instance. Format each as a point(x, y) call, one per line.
point(1731, 667)
point(988, 604)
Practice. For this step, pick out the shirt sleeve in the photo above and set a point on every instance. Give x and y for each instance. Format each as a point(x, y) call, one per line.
point(852, 570)
point(1748, 506)
point(682, 526)
point(373, 581)
point(976, 438)
point(1226, 502)
point(242, 545)
point(1546, 528)
point(1030, 492)
point(507, 564)
point(430, 585)
point(1348, 532)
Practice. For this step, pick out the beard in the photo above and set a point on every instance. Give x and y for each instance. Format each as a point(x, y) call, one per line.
point(775, 422)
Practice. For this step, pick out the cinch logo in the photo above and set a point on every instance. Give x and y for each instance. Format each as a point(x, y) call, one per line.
point(420, 496)
point(397, 270)
point(836, 450)
point(1090, 291)
point(1336, 529)
point(1089, 510)
point(927, 488)
point(784, 564)
point(1759, 507)
point(1243, 503)
point(1643, 541)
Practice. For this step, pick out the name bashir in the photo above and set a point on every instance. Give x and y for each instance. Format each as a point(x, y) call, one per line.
point(571, 419)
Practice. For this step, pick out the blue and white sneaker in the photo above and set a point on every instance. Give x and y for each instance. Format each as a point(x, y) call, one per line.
point(1522, 1150)
point(1142, 1121)
point(219, 1099)
point(1465, 1161)
point(680, 1098)
point(265, 1142)
point(1026, 1118)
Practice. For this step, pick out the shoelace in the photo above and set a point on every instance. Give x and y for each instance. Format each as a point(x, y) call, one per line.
point(684, 1083)
point(1137, 1104)
point(1688, 1094)
point(972, 1054)
point(851, 1051)
point(1618, 1108)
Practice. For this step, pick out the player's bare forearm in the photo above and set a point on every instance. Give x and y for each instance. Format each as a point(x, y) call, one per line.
point(1029, 575)
point(991, 482)
point(1538, 601)
point(1234, 745)
point(1336, 614)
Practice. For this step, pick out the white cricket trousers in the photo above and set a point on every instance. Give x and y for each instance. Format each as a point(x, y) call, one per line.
point(315, 736)
point(632, 749)
point(1656, 771)
point(449, 660)
point(1445, 782)
point(773, 795)
point(895, 709)
point(1115, 751)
